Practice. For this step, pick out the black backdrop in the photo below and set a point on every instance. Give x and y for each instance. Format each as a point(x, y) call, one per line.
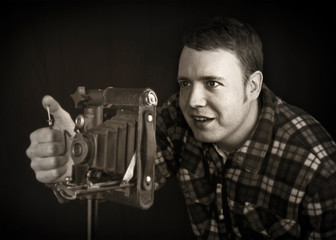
point(51, 47)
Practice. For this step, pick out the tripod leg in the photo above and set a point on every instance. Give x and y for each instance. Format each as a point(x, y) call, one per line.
point(92, 218)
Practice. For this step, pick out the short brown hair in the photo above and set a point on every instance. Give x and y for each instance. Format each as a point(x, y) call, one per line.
point(229, 34)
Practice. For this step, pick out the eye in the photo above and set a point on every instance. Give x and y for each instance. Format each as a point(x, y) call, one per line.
point(183, 83)
point(213, 84)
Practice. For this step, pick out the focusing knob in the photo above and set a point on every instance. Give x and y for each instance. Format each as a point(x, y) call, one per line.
point(79, 96)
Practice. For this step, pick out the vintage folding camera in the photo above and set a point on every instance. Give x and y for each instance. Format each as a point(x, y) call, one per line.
point(114, 146)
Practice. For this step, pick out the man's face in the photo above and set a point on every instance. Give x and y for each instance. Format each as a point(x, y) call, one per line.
point(213, 98)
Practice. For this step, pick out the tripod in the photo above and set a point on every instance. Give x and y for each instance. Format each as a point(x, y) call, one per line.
point(92, 219)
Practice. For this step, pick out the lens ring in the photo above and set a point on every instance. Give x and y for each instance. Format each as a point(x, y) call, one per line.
point(77, 149)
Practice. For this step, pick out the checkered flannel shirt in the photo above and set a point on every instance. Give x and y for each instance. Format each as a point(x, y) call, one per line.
point(281, 184)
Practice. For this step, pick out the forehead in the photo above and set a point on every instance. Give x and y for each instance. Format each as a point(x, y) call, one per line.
point(204, 62)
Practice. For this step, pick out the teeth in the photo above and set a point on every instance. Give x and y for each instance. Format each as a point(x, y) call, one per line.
point(200, 118)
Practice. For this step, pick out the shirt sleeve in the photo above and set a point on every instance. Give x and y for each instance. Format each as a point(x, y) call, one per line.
point(168, 137)
point(320, 209)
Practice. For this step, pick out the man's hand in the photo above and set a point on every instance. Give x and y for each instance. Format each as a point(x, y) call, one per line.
point(50, 160)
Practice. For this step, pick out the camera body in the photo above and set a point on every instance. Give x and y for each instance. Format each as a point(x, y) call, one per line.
point(114, 147)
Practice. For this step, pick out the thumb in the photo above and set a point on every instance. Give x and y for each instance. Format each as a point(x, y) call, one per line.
point(63, 120)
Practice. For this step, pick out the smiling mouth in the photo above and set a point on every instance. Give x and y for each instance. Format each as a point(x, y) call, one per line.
point(202, 118)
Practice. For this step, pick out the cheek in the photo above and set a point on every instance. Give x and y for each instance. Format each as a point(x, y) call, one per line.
point(182, 100)
point(227, 109)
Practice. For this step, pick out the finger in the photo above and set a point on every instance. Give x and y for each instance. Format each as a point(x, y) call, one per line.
point(48, 163)
point(62, 118)
point(48, 149)
point(52, 175)
point(44, 135)
point(54, 107)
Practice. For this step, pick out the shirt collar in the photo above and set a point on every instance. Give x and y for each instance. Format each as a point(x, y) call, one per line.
point(251, 154)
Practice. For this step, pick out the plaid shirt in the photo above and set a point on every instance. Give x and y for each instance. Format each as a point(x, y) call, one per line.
point(281, 184)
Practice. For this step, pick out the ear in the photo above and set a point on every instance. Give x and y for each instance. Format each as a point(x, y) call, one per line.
point(254, 84)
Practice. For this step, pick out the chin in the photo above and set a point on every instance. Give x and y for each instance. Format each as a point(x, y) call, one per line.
point(205, 137)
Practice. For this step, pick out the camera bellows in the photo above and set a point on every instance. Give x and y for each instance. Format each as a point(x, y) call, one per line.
point(115, 141)
point(109, 147)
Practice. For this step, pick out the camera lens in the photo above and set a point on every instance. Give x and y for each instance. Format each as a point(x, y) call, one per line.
point(77, 149)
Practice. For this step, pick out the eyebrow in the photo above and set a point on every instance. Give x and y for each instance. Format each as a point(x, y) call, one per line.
point(182, 78)
point(207, 78)
point(204, 78)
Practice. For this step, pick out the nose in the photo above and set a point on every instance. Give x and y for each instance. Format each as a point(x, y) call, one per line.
point(197, 97)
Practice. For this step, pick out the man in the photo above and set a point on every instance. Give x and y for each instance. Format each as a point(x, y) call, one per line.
point(250, 165)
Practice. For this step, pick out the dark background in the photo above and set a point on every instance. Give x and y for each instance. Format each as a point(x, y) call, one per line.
point(51, 47)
